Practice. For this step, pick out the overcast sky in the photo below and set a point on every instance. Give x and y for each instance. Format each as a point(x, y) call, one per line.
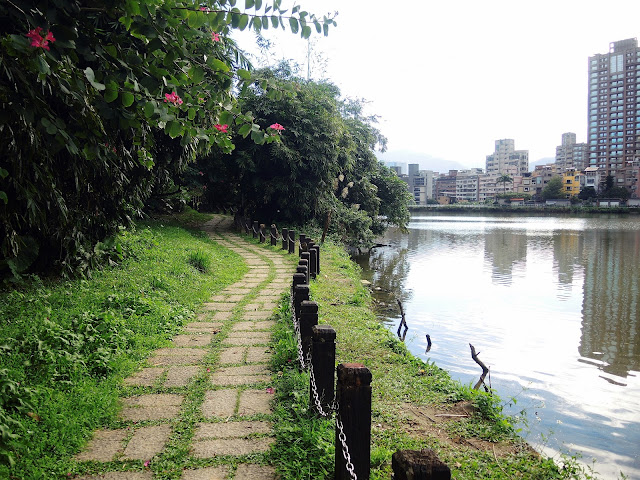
point(449, 78)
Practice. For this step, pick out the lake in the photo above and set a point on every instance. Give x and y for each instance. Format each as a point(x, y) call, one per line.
point(552, 303)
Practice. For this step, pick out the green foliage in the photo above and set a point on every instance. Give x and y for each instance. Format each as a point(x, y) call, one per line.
point(587, 193)
point(553, 189)
point(200, 260)
point(323, 167)
point(104, 115)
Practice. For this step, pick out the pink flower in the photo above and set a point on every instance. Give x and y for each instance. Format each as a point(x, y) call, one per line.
point(215, 37)
point(271, 390)
point(146, 464)
point(221, 128)
point(173, 97)
point(208, 370)
point(277, 127)
point(205, 9)
point(200, 173)
point(37, 40)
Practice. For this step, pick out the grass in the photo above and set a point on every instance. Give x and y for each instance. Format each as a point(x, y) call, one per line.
point(67, 345)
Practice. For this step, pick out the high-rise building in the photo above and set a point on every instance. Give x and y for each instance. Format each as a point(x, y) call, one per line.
point(614, 110)
point(507, 160)
point(570, 155)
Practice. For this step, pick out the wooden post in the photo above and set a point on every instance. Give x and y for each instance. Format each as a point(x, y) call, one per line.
point(255, 229)
point(313, 262)
point(303, 244)
point(317, 249)
point(308, 319)
point(298, 279)
point(274, 233)
point(303, 269)
point(263, 237)
point(304, 263)
point(354, 411)
point(292, 241)
point(247, 225)
point(300, 294)
point(323, 360)
point(419, 465)
point(285, 239)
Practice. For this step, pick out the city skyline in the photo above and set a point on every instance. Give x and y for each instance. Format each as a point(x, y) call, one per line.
point(448, 80)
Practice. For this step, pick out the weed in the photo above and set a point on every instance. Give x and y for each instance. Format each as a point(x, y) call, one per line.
point(200, 260)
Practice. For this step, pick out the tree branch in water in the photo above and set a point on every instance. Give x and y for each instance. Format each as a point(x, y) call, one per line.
point(485, 370)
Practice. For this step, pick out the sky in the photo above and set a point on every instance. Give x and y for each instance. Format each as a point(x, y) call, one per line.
point(448, 78)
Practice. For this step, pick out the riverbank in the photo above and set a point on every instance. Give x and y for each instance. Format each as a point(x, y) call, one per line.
point(68, 346)
point(471, 209)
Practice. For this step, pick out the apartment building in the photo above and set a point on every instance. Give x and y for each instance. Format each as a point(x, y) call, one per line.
point(506, 158)
point(571, 155)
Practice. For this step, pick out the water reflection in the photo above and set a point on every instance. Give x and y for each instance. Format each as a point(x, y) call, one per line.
point(553, 303)
point(610, 308)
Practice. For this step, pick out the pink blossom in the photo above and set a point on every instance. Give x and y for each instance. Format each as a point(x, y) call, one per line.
point(173, 97)
point(205, 9)
point(271, 390)
point(276, 126)
point(221, 128)
point(208, 370)
point(37, 40)
point(146, 464)
point(200, 173)
point(215, 37)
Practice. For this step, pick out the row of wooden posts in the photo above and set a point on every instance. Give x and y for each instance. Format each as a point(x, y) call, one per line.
point(350, 395)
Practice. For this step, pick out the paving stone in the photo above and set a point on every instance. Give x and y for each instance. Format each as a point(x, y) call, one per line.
point(220, 316)
point(218, 306)
point(230, 430)
point(252, 326)
point(219, 403)
point(147, 442)
point(151, 407)
point(179, 351)
point(228, 381)
point(232, 355)
point(203, 327)
point(218, 298)
point(237, 291)
point(168, 360)
point(254, 402)
point(233, 446)
point(119, 476)
point(208, 473)
point(145, 378)
point(104, 445)
point(256, 337)
point(258, 315)
point(201, 340)
point(258, 355)
point(180, 376)
point(255, 472)
point(235, 298)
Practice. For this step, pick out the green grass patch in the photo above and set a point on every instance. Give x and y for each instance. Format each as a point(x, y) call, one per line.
point(67, 345)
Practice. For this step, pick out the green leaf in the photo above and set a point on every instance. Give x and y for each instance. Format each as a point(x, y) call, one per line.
point(174, 129)
point(195, 19)
point(191, 113)
point(293, 23)
point(3, 173)
point(226, 117)
point(249, 4)
point(111, 92)
point(257, 137)
point(218, 64)
point(258, 4)
point(306, 31)
point(265, 22)
point(91, 76)
point(127, 99)
point(244, 74)
point(244, 130)
point(3, 197)
point(196, 73)
point(244, 20)
point(274, 21)
point(149, 109)
point(43, 66)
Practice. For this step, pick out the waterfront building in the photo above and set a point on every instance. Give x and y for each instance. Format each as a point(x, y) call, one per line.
point(527, 184)
point(420, 184)
point(445, 186)
point(541, 176)
point(570, 155)
point(593, 178)
point(505, 156)
point(614, 111)
point(467, 184)
point(572, 181)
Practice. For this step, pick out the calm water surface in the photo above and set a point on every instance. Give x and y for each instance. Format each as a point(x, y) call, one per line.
point(553, 306)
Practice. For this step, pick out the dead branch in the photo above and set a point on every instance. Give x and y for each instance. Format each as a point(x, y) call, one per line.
point(428, 343)
point(485, 370)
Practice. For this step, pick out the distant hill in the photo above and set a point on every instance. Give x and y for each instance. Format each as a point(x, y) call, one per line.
point(542, 161)
point(426, 161)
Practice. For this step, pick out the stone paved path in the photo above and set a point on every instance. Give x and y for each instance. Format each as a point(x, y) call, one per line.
point(226, 349)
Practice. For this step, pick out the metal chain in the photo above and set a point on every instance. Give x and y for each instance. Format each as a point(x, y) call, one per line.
point(296, 327)
point(345, 449)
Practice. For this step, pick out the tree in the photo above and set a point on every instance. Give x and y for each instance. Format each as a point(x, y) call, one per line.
point(504, 179)
point(587, 193)
point(553, 189)
point(108, 101)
